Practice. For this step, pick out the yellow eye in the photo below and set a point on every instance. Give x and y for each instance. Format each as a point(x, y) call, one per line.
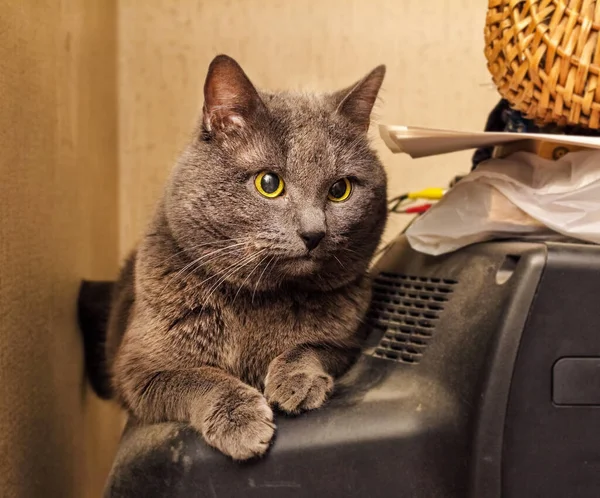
point(269, 184)
point(340, 190)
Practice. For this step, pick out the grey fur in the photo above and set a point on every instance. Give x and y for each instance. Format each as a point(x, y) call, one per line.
point(222, 313)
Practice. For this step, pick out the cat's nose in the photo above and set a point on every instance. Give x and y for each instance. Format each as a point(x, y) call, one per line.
point(312, 239)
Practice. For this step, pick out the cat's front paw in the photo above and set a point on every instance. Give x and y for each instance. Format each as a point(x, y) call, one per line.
point(297, 386)
point(240, 424)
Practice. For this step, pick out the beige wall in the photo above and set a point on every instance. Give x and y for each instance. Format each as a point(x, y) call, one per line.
point(58, 216)
point(433, 50)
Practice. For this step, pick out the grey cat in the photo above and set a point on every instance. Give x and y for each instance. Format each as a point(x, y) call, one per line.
point(249, 288)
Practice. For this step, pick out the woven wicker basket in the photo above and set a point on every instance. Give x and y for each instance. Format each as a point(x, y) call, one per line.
point(544, 56)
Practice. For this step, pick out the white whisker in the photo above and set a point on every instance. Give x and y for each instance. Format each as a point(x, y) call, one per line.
point(336, 258)
point(204, 244)
point(245, 261)
point(191, 271)
point(261, 275)
point(198, 260)
point(249, 275)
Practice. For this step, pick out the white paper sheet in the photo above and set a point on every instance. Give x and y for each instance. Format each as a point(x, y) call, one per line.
point(422, 142)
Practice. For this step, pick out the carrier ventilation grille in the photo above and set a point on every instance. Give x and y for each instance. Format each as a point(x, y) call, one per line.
point(406, 309)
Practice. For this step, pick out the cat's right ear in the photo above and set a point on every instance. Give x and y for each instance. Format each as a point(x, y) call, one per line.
point(230, 99)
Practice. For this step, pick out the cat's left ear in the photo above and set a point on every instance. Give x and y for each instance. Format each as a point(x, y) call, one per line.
point(230, 99)
point(356, 102)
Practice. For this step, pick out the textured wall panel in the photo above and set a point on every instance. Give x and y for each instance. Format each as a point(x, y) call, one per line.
point(58, 223)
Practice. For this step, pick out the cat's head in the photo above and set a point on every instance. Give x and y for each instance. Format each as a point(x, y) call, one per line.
point(280, 187)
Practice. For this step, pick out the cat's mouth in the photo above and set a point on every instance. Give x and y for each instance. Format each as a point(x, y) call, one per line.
point(300, 265)
point(306, 256)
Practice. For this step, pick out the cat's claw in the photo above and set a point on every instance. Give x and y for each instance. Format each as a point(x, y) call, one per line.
point(240, 426)
point(295, 387)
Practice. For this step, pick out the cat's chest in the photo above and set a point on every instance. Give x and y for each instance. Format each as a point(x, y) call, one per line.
point(261, 332)
point(281, 320)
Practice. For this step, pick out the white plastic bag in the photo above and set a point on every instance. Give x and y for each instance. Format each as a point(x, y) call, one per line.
point(517, 195)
